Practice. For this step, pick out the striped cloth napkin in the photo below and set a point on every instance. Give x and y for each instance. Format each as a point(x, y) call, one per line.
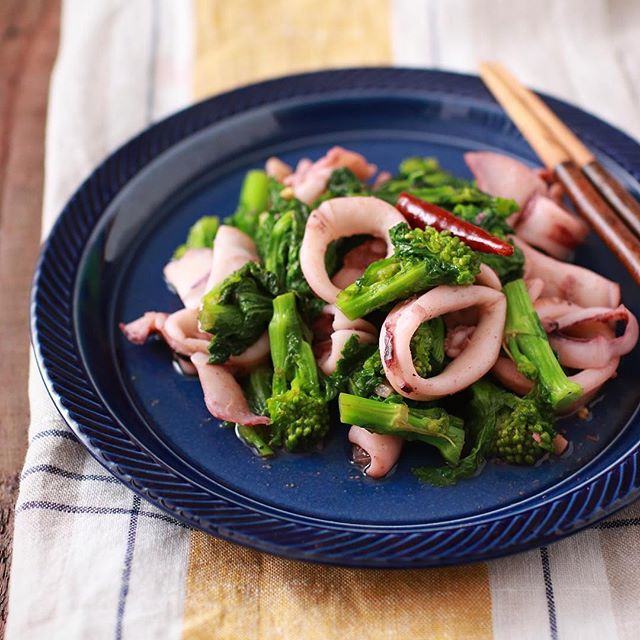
point(91, 560)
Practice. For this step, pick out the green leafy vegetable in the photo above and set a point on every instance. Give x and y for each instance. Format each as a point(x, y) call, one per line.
point(369, 377)
point(525, 430)
point(414, 175)
point(480, 435)
point(257, 389)
point(423, 177)
point(201, 236)
point(237, 311)
point(355, 355)
point(343, 183)
point(501, 424)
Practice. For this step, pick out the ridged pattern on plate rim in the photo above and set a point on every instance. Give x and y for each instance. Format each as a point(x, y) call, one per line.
point(70, 387)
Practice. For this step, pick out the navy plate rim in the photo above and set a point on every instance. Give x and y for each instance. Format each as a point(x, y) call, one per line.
point(69, 385)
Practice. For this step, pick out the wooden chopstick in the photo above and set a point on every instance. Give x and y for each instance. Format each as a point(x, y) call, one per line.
point(614, 193)
point(588, 202)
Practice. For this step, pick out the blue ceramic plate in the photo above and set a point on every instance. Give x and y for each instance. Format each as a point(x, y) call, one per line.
point(149, 426)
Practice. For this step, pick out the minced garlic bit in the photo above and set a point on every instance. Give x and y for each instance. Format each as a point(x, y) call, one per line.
point(287, 193)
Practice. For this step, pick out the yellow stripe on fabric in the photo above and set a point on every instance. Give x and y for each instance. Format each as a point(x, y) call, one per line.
point(237, 593)
point(242, 41)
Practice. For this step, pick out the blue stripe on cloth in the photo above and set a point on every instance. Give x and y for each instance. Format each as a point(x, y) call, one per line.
point(548, 587)
point(43, 505)
point(126, 570)
point(70, 475)
point(55, 433)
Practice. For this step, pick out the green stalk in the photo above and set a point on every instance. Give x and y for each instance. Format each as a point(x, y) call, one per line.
point(527, 343)
point(254, 198)
point(250, 436)
point(392, 283)
point(274, 261)
point(380, 417)
point(431, 426)
point(254, 194)
point(286, 330)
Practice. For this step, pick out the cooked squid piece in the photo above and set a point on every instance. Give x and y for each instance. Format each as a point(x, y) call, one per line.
point(583, 339)
point(339, 218)
point(357, 260)
point(457, 339)
point(179, 330)
point(188, 276)
point(504, 177)
point(507, 373)
point(382, 451)
point(232, 249)
point(329, 349)
point(251, 357)
point(310, 178)
point(488, 278)
point(535, 287)
point(474, 361)
point(139, 330)
point(181, 333)
point(223, 395)
point(277, 169)
point(593, 351)
point(569, 281)
point(546, 225)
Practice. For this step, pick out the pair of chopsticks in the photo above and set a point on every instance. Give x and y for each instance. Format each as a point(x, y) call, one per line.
point(610, 210)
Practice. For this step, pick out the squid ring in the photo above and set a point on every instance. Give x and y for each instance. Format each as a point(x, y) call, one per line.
point(475, 361)
point(335, 219)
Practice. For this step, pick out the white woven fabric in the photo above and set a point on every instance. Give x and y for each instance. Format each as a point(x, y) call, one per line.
point(91, 560)
point(83, 543)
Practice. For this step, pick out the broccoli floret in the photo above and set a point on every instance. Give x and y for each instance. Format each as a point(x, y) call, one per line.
point(524, 429)
point(254, 198)
point(433, 426)
point(237, 311)
point(257, 389)
point(516, 430)
point(427, 347)
point(423, 258)
point(297, 406)
point(201, 235)
point(529, 348)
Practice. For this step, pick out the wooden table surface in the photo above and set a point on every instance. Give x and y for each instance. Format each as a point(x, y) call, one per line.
point(28, 44)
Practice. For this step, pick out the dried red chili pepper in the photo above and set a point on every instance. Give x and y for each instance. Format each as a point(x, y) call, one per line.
point(424, 214)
